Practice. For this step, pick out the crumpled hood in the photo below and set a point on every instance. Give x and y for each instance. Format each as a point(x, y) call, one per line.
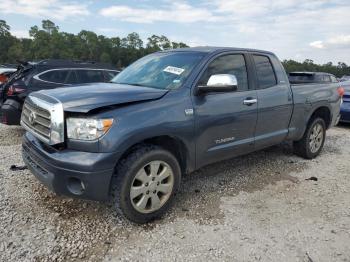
point(84, 98)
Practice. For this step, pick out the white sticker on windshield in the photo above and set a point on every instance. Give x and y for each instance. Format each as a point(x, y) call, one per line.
point(174, 70)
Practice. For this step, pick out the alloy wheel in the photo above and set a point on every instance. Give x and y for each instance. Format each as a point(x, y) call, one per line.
point(316, 138)
point(152, 187)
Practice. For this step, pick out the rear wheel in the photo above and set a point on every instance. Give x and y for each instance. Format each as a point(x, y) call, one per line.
point(312, 142)
point(145, 183)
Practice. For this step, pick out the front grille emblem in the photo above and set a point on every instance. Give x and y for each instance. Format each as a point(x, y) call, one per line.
point(32, 118)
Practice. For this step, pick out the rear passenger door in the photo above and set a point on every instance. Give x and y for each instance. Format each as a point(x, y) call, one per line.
point(275, 103)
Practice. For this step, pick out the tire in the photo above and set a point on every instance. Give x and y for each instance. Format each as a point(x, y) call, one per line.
point(304, 147)
point(139, 171)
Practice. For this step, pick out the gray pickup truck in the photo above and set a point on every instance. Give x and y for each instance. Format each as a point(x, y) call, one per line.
point(168, 114)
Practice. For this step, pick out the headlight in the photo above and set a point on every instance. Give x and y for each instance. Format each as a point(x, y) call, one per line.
point(87, 128)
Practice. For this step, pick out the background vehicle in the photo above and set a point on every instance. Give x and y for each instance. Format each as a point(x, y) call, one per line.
point(168, 114)
point(5, 72)
point(4, 77)
point(311, 77)
point(345, 107)
point(47, 74)
point(345, 78)
point(6, 68)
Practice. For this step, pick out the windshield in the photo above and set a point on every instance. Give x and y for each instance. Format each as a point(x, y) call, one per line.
point(160, 70)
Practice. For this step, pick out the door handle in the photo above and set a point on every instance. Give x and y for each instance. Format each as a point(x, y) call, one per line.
point(250, 101)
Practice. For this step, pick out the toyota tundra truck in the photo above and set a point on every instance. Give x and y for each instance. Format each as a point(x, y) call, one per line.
point(169, 113)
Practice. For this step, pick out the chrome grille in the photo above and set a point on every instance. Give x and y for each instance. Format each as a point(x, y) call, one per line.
point(43, 116)
point(37, 119)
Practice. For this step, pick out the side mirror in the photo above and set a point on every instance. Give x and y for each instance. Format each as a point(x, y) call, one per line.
point(220, 83)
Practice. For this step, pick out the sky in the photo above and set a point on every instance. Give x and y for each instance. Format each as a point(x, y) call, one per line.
point(293, 29)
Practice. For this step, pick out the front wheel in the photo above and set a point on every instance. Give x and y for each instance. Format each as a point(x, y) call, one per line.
point(145, 183)
point(312, 142)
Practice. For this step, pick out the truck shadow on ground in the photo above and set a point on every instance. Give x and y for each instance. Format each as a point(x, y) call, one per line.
point(201, 191)
point(344, 125)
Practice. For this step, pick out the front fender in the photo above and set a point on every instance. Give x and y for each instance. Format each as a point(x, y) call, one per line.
point(139, 122)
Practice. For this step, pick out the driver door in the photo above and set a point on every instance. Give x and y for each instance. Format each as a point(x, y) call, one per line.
point(224, 121)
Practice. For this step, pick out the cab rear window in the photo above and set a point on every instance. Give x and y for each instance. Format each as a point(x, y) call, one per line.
point(265, 72)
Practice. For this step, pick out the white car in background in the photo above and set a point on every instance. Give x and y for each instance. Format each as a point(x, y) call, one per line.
point(7, 70)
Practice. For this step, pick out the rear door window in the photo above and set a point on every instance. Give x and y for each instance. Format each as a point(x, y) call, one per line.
point(90, 76)
point(265, 72)
point(55, 76)
point(72, 78)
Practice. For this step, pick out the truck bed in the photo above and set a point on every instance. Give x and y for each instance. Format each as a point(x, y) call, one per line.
point(309, 96)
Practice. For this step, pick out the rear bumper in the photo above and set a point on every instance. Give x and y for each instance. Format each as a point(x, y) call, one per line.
point(71, 173)
point(10, 112)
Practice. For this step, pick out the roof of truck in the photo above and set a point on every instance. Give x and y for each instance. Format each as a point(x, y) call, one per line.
point(212, 49)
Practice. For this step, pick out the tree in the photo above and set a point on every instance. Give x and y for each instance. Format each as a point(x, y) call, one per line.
point(133, 41)
point(105, 58)
point(153, 43)
point(4, 29)
point(308, 65)
point(6, 41)
point(49, 26)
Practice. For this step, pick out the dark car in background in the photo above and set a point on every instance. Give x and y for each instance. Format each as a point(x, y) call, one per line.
point(311, 77)
point(345, 107)
point(47, 74)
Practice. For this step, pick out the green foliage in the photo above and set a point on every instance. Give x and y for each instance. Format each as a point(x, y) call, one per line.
point(49, 42)
point(338, 70)
point(6, 41)
point(4, 28)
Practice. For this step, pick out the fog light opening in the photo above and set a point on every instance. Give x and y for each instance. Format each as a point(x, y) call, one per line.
point(76, 186)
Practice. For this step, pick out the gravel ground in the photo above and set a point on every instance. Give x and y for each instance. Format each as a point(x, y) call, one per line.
point(258, 207)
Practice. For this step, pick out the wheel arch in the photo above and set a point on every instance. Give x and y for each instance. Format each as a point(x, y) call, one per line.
point(323, 112)
point(170, 143)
